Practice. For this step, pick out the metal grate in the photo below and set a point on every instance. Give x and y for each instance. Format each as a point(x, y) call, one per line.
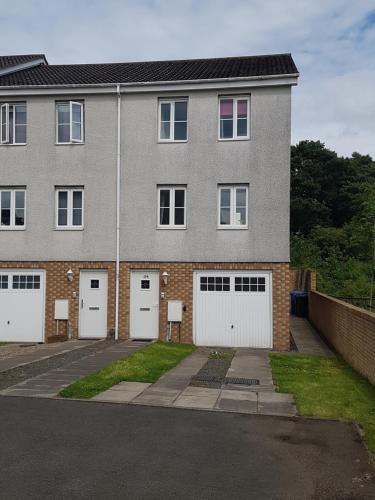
point(241, 381)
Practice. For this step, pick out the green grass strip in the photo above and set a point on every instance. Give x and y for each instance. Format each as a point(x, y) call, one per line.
point(146, 365)
point(327, 387)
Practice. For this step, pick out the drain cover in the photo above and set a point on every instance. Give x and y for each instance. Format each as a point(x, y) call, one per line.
point(206, 378)
point(241, 381)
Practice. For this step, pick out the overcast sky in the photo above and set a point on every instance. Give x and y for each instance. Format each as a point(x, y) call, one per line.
point(332, 42)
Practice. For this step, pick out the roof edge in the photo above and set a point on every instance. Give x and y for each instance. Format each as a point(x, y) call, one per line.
point(26, 65)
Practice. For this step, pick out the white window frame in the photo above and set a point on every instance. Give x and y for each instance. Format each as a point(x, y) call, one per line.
point(235, 101)
point(7, 106)
point(172, 103)
point(171, 224)
point(69, 226)
point(233, 224)
point(72, 140)
point(13, 226)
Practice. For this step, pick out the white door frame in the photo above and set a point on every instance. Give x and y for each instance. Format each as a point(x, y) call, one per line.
point(27, 270)
point(103, 271)
point(231, 272)
point(145, 271)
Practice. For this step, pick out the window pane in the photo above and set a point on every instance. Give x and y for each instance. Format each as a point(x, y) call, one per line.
point(242, 108)
point(179, 216)
point(180, 131)
point(76, 113)
point(164, 197)
point(20, 217)
point(77, 199)
point(225, 197)
point(242, 127)
point(62, 217)
point(226, 129)
point(5, 199)
point(240, 216)
point(179, 198)
point(11, 138)
point(63, 133)
point(20, 134)
point(20, 199)
point(226, 108)
point(165, 112)
point(165, 130)
point(76, 131)
point(241, 197)
point(63, 113)
point(63, 199)
point(225, 216)
point(3, 123)
point(77, 217)
point(164, 216)
point(20, 114)
point(180, 111)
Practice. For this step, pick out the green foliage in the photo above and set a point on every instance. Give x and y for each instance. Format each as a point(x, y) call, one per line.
point(333, 217)
point(146, 365)
point(327, 387)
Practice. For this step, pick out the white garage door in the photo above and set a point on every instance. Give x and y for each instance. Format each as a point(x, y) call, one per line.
point(21, 305)
point(233, 309)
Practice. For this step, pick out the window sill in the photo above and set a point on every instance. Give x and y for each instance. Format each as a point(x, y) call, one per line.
point(160, 141)
point(15, 144)
point(69, 143)
point(234, 139)
point(232, 228)
point(171, 228)
point(12, 228)
point(79, 228)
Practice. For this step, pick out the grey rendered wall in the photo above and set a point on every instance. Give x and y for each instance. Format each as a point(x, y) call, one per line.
point(41, 165)
point(201, 164)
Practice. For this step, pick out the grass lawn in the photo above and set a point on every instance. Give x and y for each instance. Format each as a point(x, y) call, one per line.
point(327, 387)
point(146, 365)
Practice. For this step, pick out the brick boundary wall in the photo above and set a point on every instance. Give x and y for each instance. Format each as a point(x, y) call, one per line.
point(180, 287)
point(349, 329)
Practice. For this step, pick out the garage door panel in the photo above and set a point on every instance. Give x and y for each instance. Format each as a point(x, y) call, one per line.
point(240, 317)
point(21, 306)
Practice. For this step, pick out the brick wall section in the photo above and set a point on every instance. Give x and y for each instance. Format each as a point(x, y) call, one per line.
point(349, 329)
point(58, 287)
point(302, 280)
point(180, 287)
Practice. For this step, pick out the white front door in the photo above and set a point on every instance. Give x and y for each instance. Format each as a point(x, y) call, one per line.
point(93, 304)
point(233, 308)
point(22, 305)
point(144, 304)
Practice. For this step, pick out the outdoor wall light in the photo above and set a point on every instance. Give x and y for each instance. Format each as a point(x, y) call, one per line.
point(165, 276)
point(70, 275)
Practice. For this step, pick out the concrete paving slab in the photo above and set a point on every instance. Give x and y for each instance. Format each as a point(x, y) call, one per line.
point(201, 392)
point(237, 405)
point(113, 396)
point(275, 397)
point(202, 402)
point(155, 399)
point(239, 395)
point(279, 408)
point(131, 386)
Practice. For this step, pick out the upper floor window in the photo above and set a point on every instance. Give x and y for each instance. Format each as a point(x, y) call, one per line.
point(13, 123)
point(233, 207)
point(69, 122)
point(234, 118)
point(173, 120)
point(12, 208)
point(69, 208)
point(172, 207)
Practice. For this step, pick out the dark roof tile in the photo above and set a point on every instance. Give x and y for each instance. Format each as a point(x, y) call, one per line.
point(153, 71)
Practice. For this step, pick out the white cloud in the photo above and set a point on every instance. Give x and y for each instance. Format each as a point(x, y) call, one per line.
point(333, 43)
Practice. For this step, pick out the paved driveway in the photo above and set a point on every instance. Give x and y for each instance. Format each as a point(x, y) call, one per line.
point(68, 449)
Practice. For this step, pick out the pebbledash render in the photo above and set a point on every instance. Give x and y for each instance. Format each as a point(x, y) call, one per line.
point(146, 200)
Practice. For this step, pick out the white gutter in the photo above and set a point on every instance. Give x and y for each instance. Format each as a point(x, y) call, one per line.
point(118, 193)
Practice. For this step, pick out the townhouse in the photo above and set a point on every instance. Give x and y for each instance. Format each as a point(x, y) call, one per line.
point(146, 200)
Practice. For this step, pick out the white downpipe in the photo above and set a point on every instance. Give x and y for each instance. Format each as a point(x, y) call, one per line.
point(118, 193)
